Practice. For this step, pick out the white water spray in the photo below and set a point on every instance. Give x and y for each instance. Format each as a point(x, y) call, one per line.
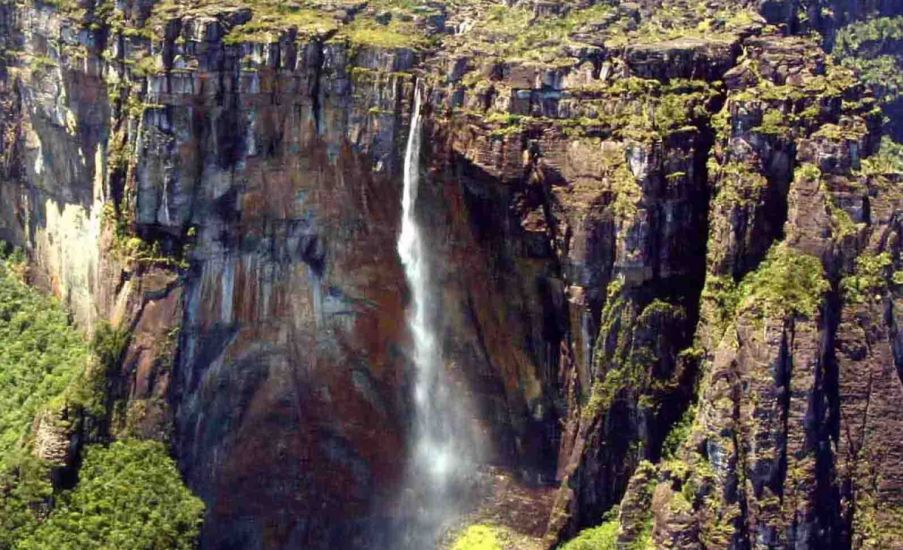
point(435, 454)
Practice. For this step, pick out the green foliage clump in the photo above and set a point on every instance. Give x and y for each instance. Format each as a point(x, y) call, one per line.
point(774, 123)
point(395, 34)
point(843, 225)
point(129, 247)
point(721, 292)
point(392, 24)
point(145, 66)
point(869, 280)
point(868, 47)
point(869, 34)
point(888, 160)
point(807, 172)
point(271, 19)
point(787, 282)
point(624, 186)
point(41, 63)
point(108, 345)
point(629, 108)
point(506, 124)
point(129, 495)
point(877, 524)
point(679, 433)
point(739, 185)
point(646, 110)
point(601, 537)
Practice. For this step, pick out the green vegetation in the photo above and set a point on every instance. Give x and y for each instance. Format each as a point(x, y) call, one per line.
point(514, 32)
point(870, 278)
point(626, 109)
point(679, 433)
point(602, 537)
point(41, 356)
point(888, 160)
point(882, 73)
point(623, 361)
point(625, 189)
point(868, 35)
point(833, 84)
point(679, 19)
point(41, 63)
point(24, 488)
point(391, 24)
point(394, 34)
point(787, 282)
point(864, 45)
point(267, 25)
point(384, 23)
point(738, 185)
point(842, 225)
point(480, 537)
point(145, 65)
point(877, 525)
point(129, 247)
point(852, 130)
point(774, 123)
point(129, 495)
point(841, 222)
point(506, 124)
point(798, 106)
point(71, 8)
point(870, 47)
point(721, 292)
point(645, 110)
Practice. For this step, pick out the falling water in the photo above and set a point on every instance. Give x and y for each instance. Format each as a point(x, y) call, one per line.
point(438, 449)
point(433, 451)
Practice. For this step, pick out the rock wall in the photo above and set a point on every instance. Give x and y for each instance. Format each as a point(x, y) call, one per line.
point(679, 219)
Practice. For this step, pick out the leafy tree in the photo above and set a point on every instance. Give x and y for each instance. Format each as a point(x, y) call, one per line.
point(40, 355)
point(130, 496)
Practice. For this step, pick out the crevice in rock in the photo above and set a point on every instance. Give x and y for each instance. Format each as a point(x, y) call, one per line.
point(827, 411)
point(783, 378)
point(316, 106)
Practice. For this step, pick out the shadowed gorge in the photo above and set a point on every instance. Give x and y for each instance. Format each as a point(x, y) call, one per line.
point(470, 274)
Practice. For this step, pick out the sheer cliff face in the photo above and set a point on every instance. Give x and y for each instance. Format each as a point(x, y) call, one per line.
point(639, 222)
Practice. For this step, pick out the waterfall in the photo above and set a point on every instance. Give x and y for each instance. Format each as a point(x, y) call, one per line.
point(440, 447)
point(434, 453)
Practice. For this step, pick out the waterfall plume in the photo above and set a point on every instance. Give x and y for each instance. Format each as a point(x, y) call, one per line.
point(441, 448)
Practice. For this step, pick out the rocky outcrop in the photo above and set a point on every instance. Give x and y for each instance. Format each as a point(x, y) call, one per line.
point(764, 464)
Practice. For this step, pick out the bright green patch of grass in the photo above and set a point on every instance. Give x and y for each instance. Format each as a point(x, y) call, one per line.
point(479, 537)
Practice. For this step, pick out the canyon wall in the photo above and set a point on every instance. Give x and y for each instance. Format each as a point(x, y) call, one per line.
point(697, 218)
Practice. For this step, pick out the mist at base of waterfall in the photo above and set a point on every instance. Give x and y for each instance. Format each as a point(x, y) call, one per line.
point(424, 514)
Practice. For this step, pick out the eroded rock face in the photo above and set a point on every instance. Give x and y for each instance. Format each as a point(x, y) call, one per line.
point(234, 203)
point(768, 462)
